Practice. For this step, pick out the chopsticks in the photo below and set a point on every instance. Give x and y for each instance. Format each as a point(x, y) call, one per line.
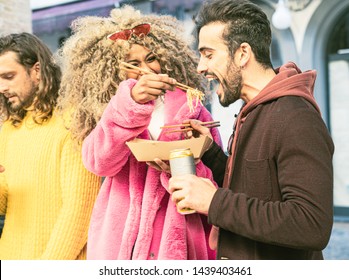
point(187, 126)
point(129, 67)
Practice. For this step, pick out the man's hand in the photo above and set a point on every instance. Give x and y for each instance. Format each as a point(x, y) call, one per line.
point(198, 129)
point(190, 191)
point(2, 169)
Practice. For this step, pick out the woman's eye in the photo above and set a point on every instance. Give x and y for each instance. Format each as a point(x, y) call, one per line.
point(151, 58)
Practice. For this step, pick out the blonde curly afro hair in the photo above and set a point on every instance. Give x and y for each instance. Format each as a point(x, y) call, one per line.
point(90, 62)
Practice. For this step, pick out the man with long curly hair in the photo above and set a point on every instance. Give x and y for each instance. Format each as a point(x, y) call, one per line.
point(46, 192)
point(133, 217)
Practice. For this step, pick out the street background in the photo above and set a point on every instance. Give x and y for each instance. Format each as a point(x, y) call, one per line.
point(338, 247)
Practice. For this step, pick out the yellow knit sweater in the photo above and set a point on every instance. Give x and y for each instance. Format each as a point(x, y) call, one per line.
point(45, 192)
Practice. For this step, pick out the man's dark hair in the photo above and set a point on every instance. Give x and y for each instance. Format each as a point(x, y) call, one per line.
point(245, 22)
point(30, 50)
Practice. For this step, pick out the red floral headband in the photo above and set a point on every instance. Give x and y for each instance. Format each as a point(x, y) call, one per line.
point(140, 30)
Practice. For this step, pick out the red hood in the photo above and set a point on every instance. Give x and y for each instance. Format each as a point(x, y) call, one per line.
point(289, 81)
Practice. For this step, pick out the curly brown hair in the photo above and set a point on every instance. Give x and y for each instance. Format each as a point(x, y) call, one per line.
point(30, 49)
point(90, 62)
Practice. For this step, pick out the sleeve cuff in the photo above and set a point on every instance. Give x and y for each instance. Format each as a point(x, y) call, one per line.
point(214, 209)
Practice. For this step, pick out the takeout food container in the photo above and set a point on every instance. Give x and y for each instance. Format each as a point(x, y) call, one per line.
point(147, 150)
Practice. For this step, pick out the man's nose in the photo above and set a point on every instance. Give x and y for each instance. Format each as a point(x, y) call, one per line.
point(3, 88)
point(202, 67)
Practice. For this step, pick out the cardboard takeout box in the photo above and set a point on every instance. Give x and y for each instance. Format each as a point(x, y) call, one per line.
point(147, 150)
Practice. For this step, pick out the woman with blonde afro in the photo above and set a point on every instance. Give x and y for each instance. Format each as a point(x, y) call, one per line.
point(133, 217)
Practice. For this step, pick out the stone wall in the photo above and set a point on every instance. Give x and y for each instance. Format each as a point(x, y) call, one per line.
point(15, 16)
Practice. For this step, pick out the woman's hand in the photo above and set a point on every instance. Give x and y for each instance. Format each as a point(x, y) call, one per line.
point(159, 165)
point(151, 86)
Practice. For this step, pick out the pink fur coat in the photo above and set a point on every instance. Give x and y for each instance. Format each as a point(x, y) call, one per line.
point(133, 217)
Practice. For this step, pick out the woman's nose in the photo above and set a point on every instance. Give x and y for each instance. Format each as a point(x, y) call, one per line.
point(145, 66)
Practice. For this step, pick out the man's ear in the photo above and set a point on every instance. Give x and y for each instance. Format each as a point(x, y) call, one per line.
point(244, 54)
point(36, 71)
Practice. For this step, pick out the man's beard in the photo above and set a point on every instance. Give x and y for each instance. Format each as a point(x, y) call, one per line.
point(25, 103)
point(232, 85)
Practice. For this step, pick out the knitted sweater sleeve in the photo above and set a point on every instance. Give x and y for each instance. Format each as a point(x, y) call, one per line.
point(79, 189)
point(104, 150)
point(3, 195)
point(3, 185)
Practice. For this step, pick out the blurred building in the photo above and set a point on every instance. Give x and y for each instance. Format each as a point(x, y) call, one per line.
point(15, 16)
point(312, 33)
